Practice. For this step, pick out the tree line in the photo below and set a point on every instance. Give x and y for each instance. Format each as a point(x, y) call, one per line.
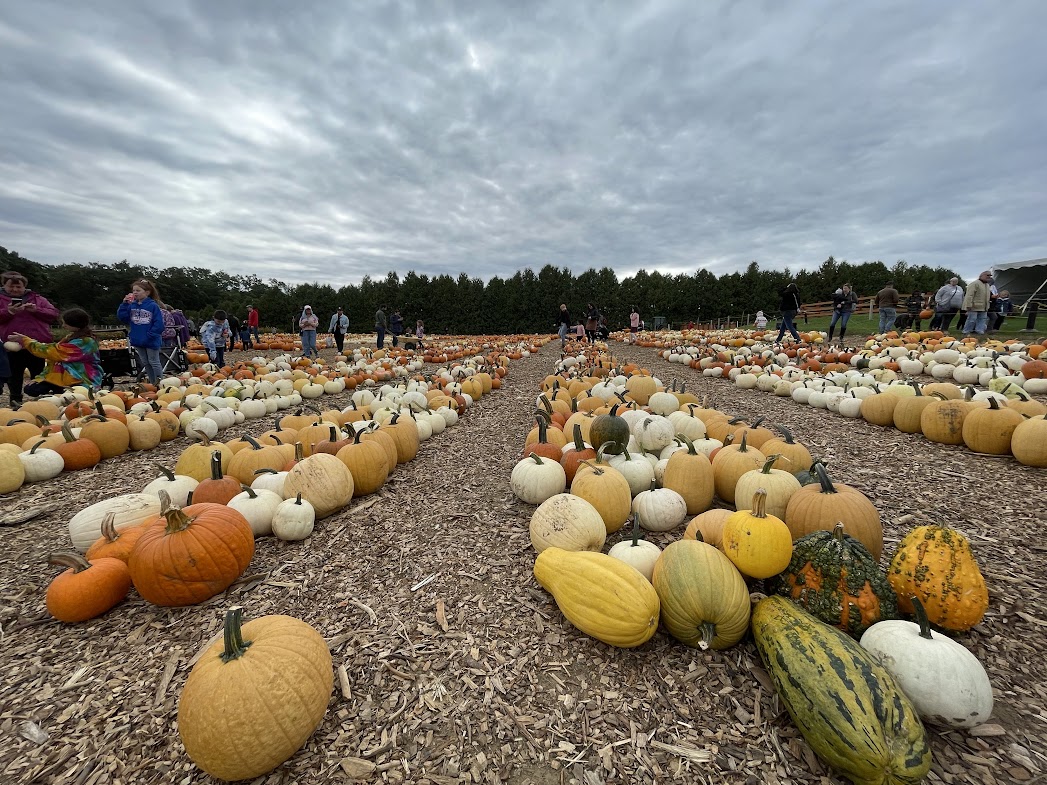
point(524, 302)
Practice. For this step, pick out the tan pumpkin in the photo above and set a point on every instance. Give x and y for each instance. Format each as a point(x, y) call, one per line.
point(244, 463)
point(778, 486)
point(989, 430)
point(879, 409)
point(708, 527)
point(793, 457)
point(261, 690)
point(195, 460)
point(110, 435)
point(690, 474)
point(908, 411)
point(819, 506)
point(1029, 442)
point(606, 489)
point(730, 463)
point(941, 421)
point(367, 462)
point(143, 433)
point(323, 480)
point(405, 436)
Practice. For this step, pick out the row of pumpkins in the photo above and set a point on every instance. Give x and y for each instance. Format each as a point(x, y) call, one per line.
point(77, 430)
point(825, 587)
point(1000, 420)
point(190, 534)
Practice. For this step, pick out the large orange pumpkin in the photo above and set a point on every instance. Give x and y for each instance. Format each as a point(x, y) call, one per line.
point(186, 556)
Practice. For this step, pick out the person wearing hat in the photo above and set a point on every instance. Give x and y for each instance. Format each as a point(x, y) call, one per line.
point(976, 304)
point(252, 322)
point(308, 324)
point(339, 327)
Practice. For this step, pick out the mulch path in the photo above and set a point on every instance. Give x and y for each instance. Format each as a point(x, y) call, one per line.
point(453, 666)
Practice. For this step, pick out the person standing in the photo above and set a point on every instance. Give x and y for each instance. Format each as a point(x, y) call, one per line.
point(245, 332)
point(419, 333)
point(914, 306)
point(790, 306)
point(234, 331)
point(564, 318)
point(592, 322)
point(976, 304)
point(1001, 307)
point(26, 312)
point(214, 334)
point(181, 323)
point(947, 302)
point(887, 304)
point(339, 327)
point(844, 303)
point(72, 361)
point(381, 324)
point(396, 325)
point(634, 320)
point(308, 324)
point(252, 322)
point(140, 310)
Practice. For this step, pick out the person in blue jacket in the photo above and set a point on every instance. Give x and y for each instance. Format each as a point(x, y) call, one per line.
point(140, 310)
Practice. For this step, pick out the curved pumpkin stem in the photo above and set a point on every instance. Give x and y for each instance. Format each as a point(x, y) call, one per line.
point(823, 478)
point(921, 617)
point(759, 509)
point(249, 491)
point(70, 559)
point(708, 633)
point(771, 460)
point(108, 528)
point(235, 645)
point(177, 520)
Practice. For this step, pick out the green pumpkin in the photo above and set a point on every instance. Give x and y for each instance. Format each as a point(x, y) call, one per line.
point(835, 578)
point(610, 430)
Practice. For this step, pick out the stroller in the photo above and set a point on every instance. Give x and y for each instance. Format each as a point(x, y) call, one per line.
point(124, 362)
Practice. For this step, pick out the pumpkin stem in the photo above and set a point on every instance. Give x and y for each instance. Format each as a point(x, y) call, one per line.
point(249, 491)
point(921, 617)
point(759, 509)
point(636, 530)
point(109, 528)
point(823, 478)
point(70, 559)
point(177, 520)
point(579, 444)
point(251, 440)
point(771, 459)
point(216, 465)
point(708, 633)
point(235, 645)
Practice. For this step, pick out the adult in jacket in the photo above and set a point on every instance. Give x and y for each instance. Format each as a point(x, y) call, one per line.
point(976, 304)
point(308, 323)
point(381, 324)
point(252, 321)
point(339, 327)
point(887, 304)
point(28, 313)
point(947, 302)
point(592, 322)
point(140, 311)
point(396, 326)
point(790, 306)
point(563, 318)
point(844, 303)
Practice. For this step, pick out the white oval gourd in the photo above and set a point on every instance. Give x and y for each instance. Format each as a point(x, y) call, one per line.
point(129, 509)
point(946, 683)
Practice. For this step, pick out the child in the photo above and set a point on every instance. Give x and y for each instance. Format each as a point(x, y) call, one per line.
point(308, 324)
point(72, 361)
point(761, 320)
point(579, 330)
point(419, 333)
point(214, 335)
point(140, 310)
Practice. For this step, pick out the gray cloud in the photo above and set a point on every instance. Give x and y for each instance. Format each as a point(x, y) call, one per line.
point(333, 141)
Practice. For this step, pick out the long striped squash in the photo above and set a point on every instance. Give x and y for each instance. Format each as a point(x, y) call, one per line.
point(849, 709)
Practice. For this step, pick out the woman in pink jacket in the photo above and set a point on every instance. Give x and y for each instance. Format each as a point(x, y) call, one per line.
point(25, 312)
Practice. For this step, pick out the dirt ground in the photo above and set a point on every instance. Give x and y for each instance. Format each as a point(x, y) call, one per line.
point(454, 666)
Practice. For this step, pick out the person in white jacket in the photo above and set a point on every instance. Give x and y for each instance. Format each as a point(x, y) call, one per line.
point(947, 302)
point(339, 327)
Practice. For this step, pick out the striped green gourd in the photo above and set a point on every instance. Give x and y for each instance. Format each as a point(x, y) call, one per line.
point(849, 709)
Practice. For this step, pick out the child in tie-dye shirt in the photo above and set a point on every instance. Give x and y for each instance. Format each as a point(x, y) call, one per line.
point(72, 361)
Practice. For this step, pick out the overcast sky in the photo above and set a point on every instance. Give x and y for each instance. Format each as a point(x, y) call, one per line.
point(329, 140)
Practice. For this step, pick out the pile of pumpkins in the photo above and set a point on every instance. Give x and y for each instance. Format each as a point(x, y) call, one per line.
point(815, 544)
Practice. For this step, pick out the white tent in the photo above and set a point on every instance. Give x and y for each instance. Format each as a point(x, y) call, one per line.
point(1024, 280)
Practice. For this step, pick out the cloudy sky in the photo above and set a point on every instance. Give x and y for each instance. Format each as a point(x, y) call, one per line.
point(330, 140)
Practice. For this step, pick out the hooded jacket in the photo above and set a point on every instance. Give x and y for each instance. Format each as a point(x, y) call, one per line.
point(146, 321)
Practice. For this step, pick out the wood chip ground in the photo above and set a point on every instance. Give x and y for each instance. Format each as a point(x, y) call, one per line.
point(453, 666)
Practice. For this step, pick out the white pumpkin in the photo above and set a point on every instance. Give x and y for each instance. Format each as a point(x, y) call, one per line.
point(636, 469)
point(41, 463)
point(569, 522)
point(176, 486)
point(637, 552)
point(129, 509)
point(258, 507)
point(294, 519)
point(535, 479)
point(268, 480)
point(654, 432)
point(945, 681)
point(660, 509)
